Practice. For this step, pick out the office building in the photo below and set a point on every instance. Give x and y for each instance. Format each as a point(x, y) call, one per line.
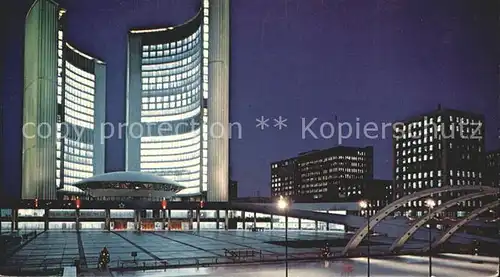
point(64, 107)
point(332, 175)
point(377, 193)
point(175, 100)
point(233, 190)
point(492, 173)
point(440, 148)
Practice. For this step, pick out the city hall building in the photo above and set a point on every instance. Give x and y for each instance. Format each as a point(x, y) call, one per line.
point(177, 87)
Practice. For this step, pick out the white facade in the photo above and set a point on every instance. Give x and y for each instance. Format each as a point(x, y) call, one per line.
point(172, 101)
point(64, 105)
point(218, 101)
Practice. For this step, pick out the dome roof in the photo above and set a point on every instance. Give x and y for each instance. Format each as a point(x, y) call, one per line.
point(129, 177)
point(68, 189)
point(189, 192)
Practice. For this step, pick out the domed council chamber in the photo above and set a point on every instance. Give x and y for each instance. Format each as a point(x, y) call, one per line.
point(122, 185)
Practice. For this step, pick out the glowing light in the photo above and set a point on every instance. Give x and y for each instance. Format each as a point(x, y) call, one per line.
point(363, 204)
point(61, 13)
point(83, 54)
point(149, 30)
point(282, 203)
point(430, 203)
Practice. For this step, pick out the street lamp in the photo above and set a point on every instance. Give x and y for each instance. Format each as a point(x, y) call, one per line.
point(364, 207)
point(498, 229)
point(283, 205)
point(430, 203)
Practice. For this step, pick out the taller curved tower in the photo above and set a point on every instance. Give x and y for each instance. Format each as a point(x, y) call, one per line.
point(172, 101)
point(164, 100)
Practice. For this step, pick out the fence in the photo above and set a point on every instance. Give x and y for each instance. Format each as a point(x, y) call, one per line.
point(231, 257)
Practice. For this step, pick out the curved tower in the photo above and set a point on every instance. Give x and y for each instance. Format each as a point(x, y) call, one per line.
point(80, 148)
point(164, 102)
point(64, 98)
point(178, 102)
point(40, 106)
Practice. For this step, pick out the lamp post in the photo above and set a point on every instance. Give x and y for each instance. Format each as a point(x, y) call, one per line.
point(498, 229)
point(283, 205)
point(430, 203)
point(364, 207)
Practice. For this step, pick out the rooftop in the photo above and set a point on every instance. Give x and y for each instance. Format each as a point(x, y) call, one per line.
point(129, 177)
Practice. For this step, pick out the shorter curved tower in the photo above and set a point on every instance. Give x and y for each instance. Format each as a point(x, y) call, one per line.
point(80, 147)
point(64, 107)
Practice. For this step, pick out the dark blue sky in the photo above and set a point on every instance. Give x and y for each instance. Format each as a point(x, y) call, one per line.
point(379, 61)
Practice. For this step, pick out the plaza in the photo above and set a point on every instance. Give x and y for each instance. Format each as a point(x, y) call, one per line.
point(58, 249)
point(212, 253)
point(404, 266)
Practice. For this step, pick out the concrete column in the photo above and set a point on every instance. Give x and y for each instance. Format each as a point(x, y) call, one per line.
point(169, 215)
point(316, 225)
point(77, 219)
point(191, 220)
point(244, 220)
point(300, 224)
point(108, 219)
point(327, 226)
point(133, 143)
point(46, 220)
point(272, 227)
point(217, 219)
point(254, 220)
point(14, 225)
point(164, 219)
point(40, 101)
point(137, 220)
point(198, 220)
point(218, 102)
point(227, 220)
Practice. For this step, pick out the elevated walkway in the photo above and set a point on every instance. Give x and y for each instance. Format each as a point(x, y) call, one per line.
point(389, 227)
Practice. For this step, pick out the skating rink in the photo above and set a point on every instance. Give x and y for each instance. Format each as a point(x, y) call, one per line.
point(446, 265)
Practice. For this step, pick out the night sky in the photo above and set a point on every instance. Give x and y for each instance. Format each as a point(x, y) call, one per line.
point(368, 61)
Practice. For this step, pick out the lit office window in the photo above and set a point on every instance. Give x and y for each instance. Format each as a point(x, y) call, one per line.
point(79, 91)
point(171, 98)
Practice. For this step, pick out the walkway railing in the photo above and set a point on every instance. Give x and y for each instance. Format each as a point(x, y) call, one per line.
point(131, 265)
point(231, 257)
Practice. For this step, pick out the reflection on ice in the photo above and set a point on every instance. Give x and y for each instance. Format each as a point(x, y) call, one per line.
point(402, 266)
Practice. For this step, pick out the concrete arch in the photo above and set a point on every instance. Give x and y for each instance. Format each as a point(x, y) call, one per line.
point(387, 210)
point(461, 223)
point(399, 242)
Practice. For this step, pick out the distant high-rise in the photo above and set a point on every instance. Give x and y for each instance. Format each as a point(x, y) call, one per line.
point(64, 107)
point(233, 190)
point(441, 148)
point(177, 95)
point(334, 174)
point(492, 173)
